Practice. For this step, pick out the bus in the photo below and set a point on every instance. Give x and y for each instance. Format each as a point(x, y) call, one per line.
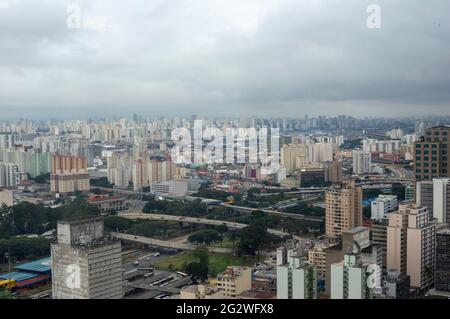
point(182, 274)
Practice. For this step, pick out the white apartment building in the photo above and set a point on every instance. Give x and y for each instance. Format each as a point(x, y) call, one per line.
point(383, 205)
point(362, 161)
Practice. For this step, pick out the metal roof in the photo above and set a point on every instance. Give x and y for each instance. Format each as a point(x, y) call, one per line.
point(18, 276)
point(43, 265)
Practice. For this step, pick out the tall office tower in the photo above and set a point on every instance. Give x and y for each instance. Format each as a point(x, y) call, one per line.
point(442, 275)
point(362, 161)
point(382, 206)
point(333, 172)
point(411, 244)
point(85, 263)
point(421, 247)
point(69, 174)
point(343, 208)
point(293, 157)
point(379, 237)
point(349, 279)
point(320, 152)
point(435, 195)
point(8, 174)
point(396, 235)
point(296, 279)
point(432, 154)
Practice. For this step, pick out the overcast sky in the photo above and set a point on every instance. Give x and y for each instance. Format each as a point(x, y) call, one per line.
point(224, 57)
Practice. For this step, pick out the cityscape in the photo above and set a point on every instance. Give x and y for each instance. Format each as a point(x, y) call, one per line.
point(99, 209)
point(213, 157)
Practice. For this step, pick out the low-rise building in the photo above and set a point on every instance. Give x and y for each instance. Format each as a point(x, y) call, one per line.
point(234, 280)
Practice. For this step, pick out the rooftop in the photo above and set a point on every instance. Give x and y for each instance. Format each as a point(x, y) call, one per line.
point(43, 265)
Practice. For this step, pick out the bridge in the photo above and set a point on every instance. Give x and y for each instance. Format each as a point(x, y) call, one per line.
point(203, 221)
point(243, 209)
point(166, 243)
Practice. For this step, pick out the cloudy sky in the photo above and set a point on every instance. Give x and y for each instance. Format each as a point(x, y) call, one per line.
point(224, 57)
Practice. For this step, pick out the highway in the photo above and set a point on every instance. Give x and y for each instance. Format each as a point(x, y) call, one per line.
point(203, 221)
point(166, 243)
point(243, 209)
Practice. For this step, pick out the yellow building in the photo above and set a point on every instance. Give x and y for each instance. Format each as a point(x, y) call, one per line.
point(235, 280)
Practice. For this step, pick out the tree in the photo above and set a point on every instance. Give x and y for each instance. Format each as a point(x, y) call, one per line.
point(197, 271)
point(201, 253)
point(206, 236)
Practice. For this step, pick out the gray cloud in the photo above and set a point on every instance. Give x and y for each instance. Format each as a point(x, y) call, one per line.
point(249, 57)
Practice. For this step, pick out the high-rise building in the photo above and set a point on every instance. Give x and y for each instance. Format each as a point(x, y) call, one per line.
point(320, 152)
point(432, 154)
point(69, 174)
point(379, 237)
point(362, 162)
point(411, 244)
point(343, 208)
point(85, 263)
point(293, 157)
point(349, 279)
point(409, 193)
point(296, 278)
point(435, 195)
point(396, 285)
point(8, 174)
point(382, 206)
point(333, 172)
point(442, 274)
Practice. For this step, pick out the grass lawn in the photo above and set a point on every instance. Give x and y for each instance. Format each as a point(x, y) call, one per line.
point(226, 243)
point(217, 262)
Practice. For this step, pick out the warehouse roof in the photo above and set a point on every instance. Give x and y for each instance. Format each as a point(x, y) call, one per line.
point(18, 276)
point(43, 265)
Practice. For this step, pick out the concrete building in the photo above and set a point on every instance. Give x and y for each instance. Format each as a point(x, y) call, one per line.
point(396, 285)
point(362, 162)
point(69, 174)
point(235, 280)
point(431, 159)
point(85, 263)
point(442, 274)
point(333, 172)
point(175, 187)
point(411, 244)
point(296, 279)
point(293, 157)
point(9, 175)
point(318, 257)
point(353, 241)
point(409, 193)
point(320, 152)
point(379, 237)
point(343, 209)
point(6, 197)
point(435, 194)
point(204, 291)
point(107, 203)
point(349, 279)
point(383, 205)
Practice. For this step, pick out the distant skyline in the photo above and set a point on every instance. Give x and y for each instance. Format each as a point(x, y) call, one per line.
point(261, 58)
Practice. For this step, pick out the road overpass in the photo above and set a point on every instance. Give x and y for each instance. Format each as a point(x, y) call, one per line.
point(249, 210)
point(203, 221)
point(166, 243)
